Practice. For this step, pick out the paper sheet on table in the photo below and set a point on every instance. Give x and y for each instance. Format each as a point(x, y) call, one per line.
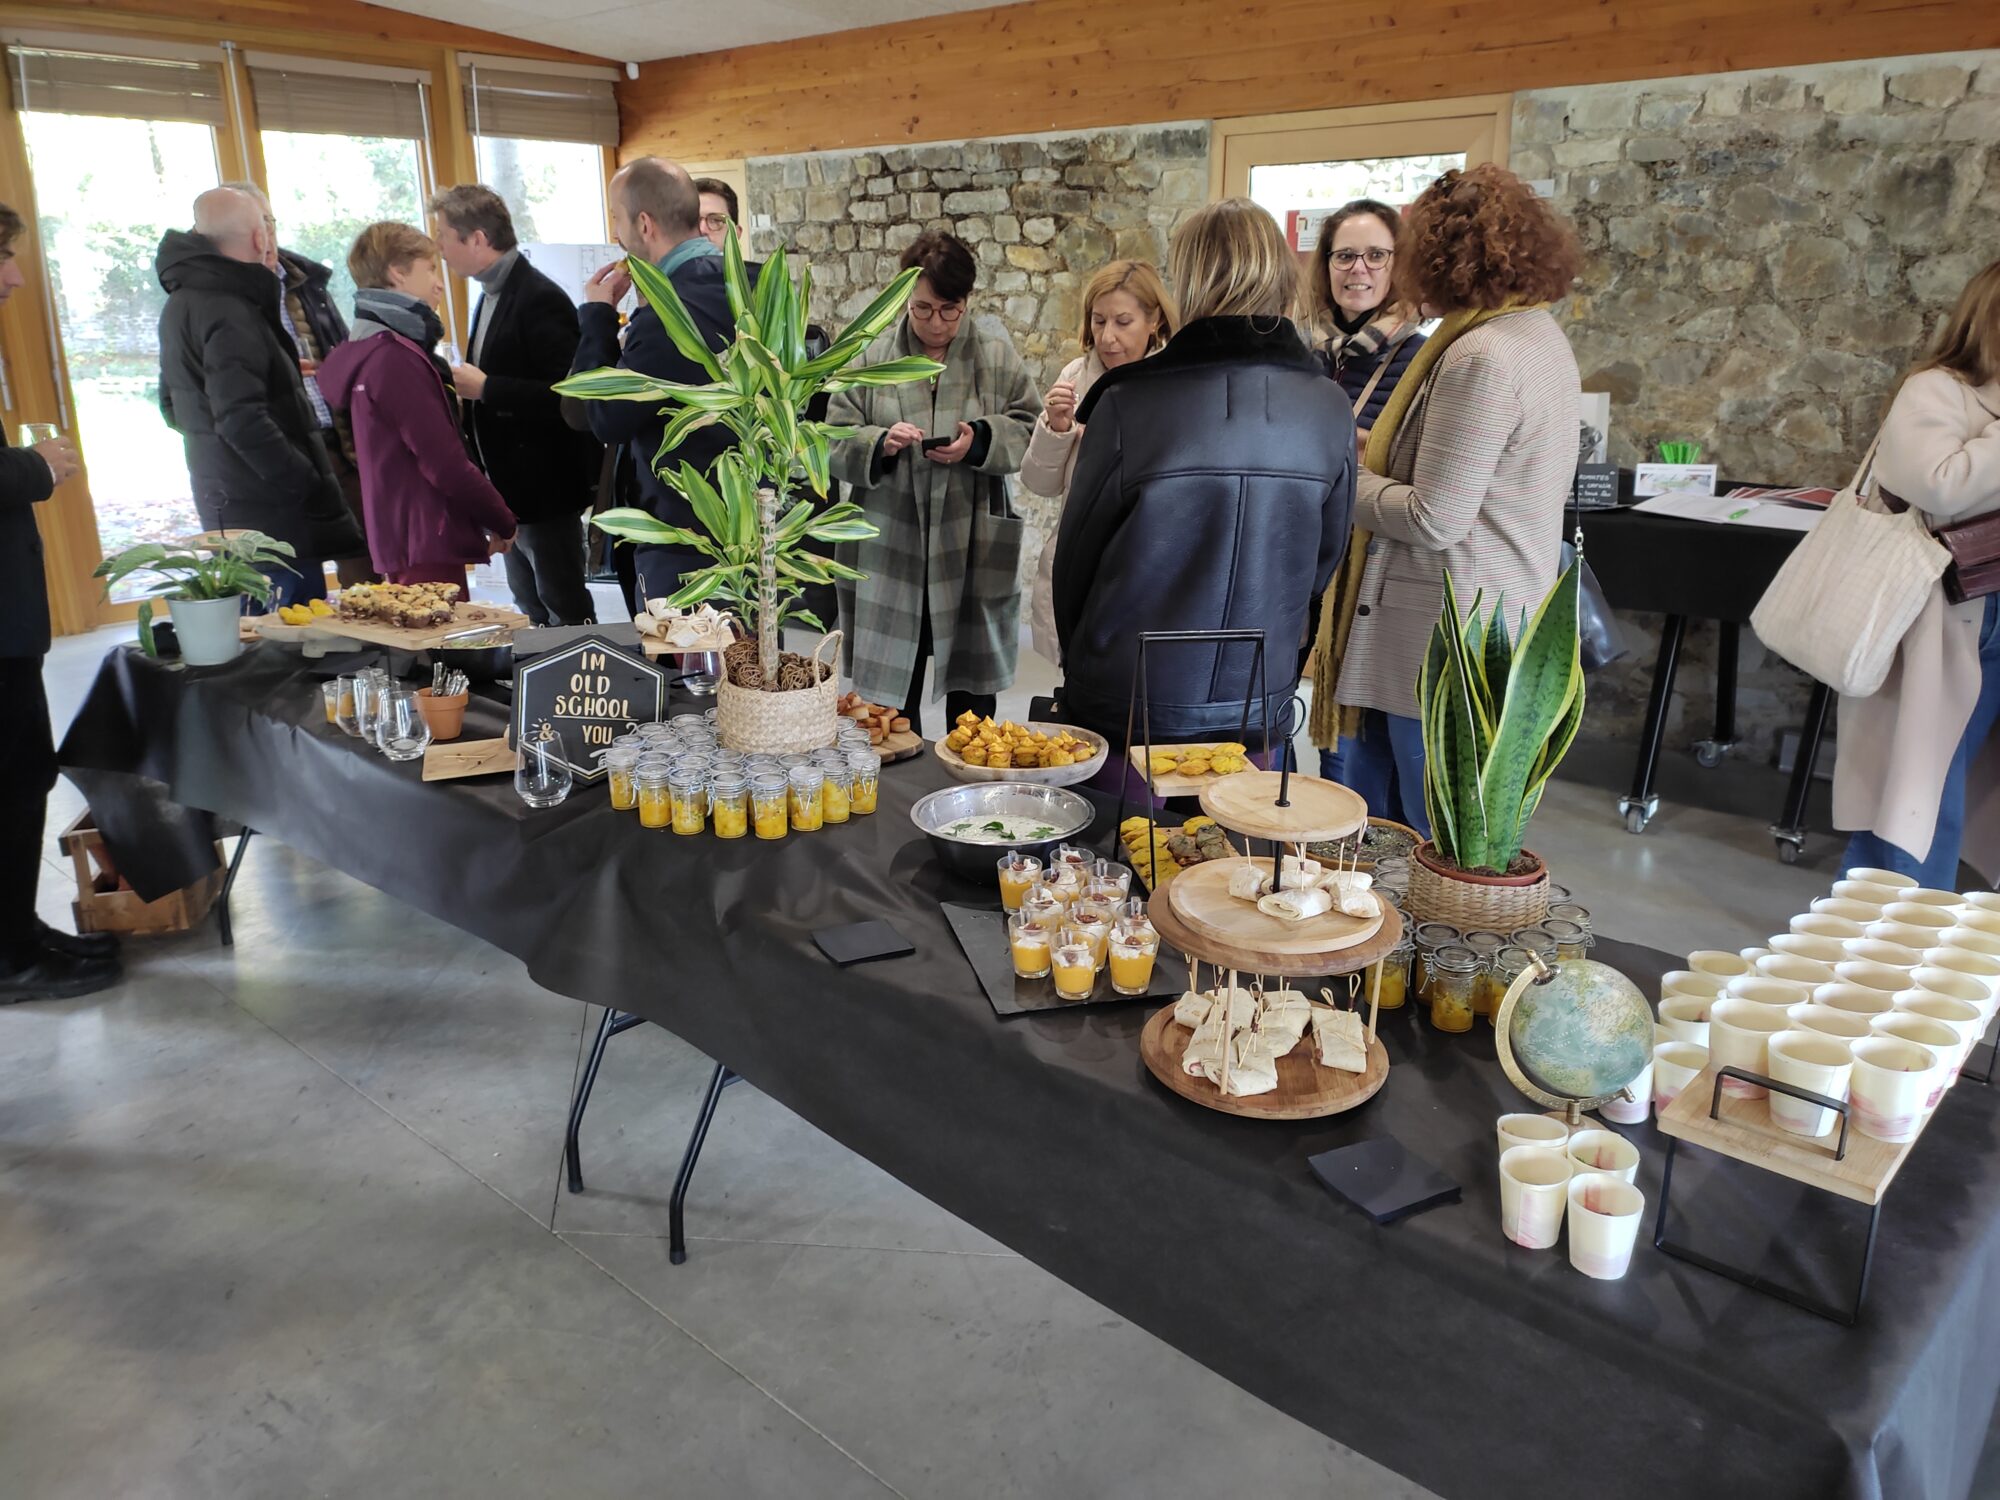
point(1724, 511)
point(570, 266)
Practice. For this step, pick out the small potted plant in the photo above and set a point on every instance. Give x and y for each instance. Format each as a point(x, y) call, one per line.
point(1498, 716)
point(204, 589)
point(747, 520)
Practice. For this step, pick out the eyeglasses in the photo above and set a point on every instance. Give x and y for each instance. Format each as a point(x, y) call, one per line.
point(949, 312)
point(1376, 258)
point(714, 222)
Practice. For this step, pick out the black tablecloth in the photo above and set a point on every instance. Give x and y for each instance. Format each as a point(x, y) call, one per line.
point(1434, 1346)
point(1667, 565)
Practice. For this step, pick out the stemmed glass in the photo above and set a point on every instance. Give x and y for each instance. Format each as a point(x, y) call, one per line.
point(542, 774)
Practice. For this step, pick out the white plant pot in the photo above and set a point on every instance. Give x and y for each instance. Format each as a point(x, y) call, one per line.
point(208, 629)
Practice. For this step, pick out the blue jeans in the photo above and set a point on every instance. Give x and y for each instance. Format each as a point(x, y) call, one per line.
point(1940, 870)
point(1385, 764)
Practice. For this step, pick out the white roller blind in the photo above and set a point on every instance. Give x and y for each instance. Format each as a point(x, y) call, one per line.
point(311, 97)
point(136, 88)
point(540, 106)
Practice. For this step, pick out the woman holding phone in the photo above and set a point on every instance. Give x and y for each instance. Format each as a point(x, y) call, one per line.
point(929, 462)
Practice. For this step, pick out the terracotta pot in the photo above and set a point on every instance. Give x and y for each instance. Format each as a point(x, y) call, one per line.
point(1441, 892)
point(446, 716)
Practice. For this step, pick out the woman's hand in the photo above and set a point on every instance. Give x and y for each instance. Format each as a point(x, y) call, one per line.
point(1059, 406)
point(956, 449)
point(899, 437)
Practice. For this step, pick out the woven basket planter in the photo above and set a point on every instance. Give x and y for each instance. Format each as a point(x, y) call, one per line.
point(791, 722)
point(1493, 903)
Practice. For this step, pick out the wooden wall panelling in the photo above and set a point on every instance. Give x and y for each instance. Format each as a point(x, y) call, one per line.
point(1076, 64)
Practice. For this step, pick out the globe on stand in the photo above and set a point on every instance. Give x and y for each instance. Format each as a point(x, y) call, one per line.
point(1571, 1035)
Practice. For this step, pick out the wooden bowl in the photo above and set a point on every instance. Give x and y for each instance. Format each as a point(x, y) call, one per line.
point(1083, 770)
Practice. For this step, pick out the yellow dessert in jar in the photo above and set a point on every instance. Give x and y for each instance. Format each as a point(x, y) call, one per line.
point(1131, 967)
point(624, 789)
point(838, 802)
point(654, 801)
point(768, 811)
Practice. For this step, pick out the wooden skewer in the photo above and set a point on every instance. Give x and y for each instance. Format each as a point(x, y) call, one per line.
point(1374, 1000)
point(1228, 1036)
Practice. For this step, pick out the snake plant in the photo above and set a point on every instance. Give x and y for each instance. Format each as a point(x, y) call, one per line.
point(1498, 715)
point(759, 389)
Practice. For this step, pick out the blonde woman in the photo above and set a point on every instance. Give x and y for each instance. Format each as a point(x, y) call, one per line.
point(1212, 491)
point(1908, 754)
point(1363, 335)
point(1127, 315)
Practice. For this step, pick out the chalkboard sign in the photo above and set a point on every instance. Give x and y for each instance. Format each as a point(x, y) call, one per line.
point(1596, 487)
point(590, 692)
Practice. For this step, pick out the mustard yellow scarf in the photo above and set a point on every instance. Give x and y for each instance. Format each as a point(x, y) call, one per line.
point(1331, 720)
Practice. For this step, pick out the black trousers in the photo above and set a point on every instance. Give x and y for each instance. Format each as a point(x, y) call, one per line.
point(545, 572)
point(27, 772)
point(955, 703)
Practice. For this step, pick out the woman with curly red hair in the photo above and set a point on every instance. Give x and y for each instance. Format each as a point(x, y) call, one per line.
point(1466, 469)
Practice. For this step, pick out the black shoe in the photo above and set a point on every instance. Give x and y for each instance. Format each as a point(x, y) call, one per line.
point(58, 976)
point(80, 944)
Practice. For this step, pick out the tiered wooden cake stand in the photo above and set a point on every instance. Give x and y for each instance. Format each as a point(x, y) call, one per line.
point(1195, 913)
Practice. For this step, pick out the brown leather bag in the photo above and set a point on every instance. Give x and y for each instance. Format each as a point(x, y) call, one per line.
point(1974, 570)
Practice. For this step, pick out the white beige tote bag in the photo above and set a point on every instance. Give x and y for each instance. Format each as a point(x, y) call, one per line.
point(1841, 604)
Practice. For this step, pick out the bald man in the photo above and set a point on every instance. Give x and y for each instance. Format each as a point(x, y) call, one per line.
point(656, 213)
point(230, 385)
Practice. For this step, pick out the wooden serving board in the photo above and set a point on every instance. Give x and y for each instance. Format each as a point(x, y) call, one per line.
point(653, 646)
point(1745, 1133)
point(1319, 811)
point(1172, 783)
point(1305, 1091)
point(1249, 960)
point(1083, 770)
point(456, 758)
point(1200, 897)
point(905, 746)
point(374, 633)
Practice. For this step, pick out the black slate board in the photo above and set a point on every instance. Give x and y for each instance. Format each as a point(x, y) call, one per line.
point(982, 932)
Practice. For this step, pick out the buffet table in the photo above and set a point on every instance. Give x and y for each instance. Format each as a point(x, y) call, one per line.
point(1434, 1346)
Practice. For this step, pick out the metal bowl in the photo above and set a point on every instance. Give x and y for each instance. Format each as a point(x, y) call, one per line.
point(1069, 813)
point(493, 663)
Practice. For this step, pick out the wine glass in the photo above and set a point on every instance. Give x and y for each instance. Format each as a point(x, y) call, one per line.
point(33, 434)
point(541, 773)
point(401, 730)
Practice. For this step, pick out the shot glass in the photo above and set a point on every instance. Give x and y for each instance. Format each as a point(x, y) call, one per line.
point(1019, 874)
point(1134, 950)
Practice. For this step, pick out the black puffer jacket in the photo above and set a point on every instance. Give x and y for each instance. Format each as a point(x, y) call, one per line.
point(230, 385)
point(1213, 491)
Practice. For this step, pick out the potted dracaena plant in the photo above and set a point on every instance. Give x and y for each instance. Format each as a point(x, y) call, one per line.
point(204, 588)
point(1498, 716)
point(753, 517)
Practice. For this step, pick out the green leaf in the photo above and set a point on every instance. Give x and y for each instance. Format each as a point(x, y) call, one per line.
point(835, 526)
point(696, 588)
point(806, 617)
point(736, 279)
point(803, 566)
point(673, 314)
point(879, 314)
point(818, 456)
point(146, 641)
point(711, 510)
point(679, 429)
point(632, 525)
point(792, 525)
point(890, 372)
point(1545, 678)
point(1499, 653)
point(739, 492)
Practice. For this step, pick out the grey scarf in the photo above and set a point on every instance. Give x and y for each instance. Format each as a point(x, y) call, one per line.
point(377, 309)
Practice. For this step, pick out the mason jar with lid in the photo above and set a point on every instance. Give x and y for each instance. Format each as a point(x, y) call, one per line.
point(1534, 940)
point(1485, 995)
point(866, 768)
point(839, 794)
point(1572, 939)
point(1450, 975)
point(729, 804)
point(1507, 966)
point(769, 815)
point(1569, 911)
point(687, 791)
point(621, 762)
point(807, 785)
point(1428, 937)
point(1557, 893)
point(654, 801)
point(1394, 970)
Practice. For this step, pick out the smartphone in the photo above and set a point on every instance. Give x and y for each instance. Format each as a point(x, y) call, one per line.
point(939, 442)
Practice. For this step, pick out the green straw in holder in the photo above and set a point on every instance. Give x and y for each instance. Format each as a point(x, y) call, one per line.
point(1680, 453)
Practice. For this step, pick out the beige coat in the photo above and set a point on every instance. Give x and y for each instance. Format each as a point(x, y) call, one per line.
point(1050, 461)
point(1940, 451)
point(1477, 481)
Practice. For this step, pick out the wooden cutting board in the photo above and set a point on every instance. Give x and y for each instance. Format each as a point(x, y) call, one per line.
point(1316, 812)
point(456, 758)
point(1201, 898)
point(374, 633)
point(905, 746)
point(1172, 783)
point(1305, 1091)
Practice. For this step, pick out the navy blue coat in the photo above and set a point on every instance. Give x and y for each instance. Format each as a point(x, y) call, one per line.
point(1355, 377)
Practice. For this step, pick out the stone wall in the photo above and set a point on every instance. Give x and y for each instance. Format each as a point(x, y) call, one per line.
point(1767, 251)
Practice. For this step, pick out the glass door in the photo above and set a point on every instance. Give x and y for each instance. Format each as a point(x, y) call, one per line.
point(325, 189)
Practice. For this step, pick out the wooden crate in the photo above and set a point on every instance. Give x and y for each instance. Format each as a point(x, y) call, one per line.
point(101, 906)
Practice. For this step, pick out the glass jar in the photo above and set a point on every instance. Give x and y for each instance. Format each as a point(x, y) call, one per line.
point(839, 793)
point(1030, 937)
point(1558, 893)
point(621, 763)
point(729, 804)
point(791, 760)
point(1093, 920)
point(688, 793)
point(1507, 966)
point(768, 813)
point(1019, 874)
point(1135, 946)
point(1485, 994)
point(1394, 975)
point(1074, 965)
point(1534, 940)
point(1427, 938)
point(1569, 911)
point(1572, 939)
point(1450, 974)
point(654, 801)
point(808, 798)
point(866, 767)
point(1110, 882)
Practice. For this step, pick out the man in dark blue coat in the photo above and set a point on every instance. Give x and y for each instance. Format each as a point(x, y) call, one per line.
point(36, 961)
point(656, 213)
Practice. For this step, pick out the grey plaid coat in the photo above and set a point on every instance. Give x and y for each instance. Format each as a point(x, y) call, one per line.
point(949, 532)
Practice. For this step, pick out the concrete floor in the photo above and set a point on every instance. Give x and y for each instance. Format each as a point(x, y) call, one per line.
point(287, 1220)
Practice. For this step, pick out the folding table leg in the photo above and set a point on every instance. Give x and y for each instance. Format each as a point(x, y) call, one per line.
point(1638, 809)
point(1790, 830)
point(613, 1023)
point(228, 883)
point(1710, 752)
point(676, 1234)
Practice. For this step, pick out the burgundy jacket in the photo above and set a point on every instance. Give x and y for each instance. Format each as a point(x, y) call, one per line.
point(425, 500)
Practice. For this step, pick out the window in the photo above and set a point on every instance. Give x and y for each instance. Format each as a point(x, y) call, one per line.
point(540, 137)
point(1300, 194)
point(555, 189)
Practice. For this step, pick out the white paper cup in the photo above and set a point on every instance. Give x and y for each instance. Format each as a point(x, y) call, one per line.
point(1940, 980)
point(1869, 875)
point(1604, 1214)
point(1762, 989)
point(1988, 901)
point(1718, 961)
point(1738, 1031)
point(1692, 982)
point(1987, 922)
point(1826, 925)
point(1979, 967)
point(1963, 1017)
point(1751, 955)
point(1890, 1084)
point(1793, 969)
point(1862, 891)
point(1872, 976)
point(1905, 935)
point(1925, 1032)
point(1855, 999)
point(1930, 896)
point(1686, 1016)
point(1808, 1060)
point(1853, 911)
point(1827, 1021)
point(1877, 947)
point(1536, 1132)
point(1534, 1187)
point(1635, 1110)
point(1970, 940)
point(1675, 1066)
point(1916, 914)
point(1811, 945)
point(1604, 1151)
